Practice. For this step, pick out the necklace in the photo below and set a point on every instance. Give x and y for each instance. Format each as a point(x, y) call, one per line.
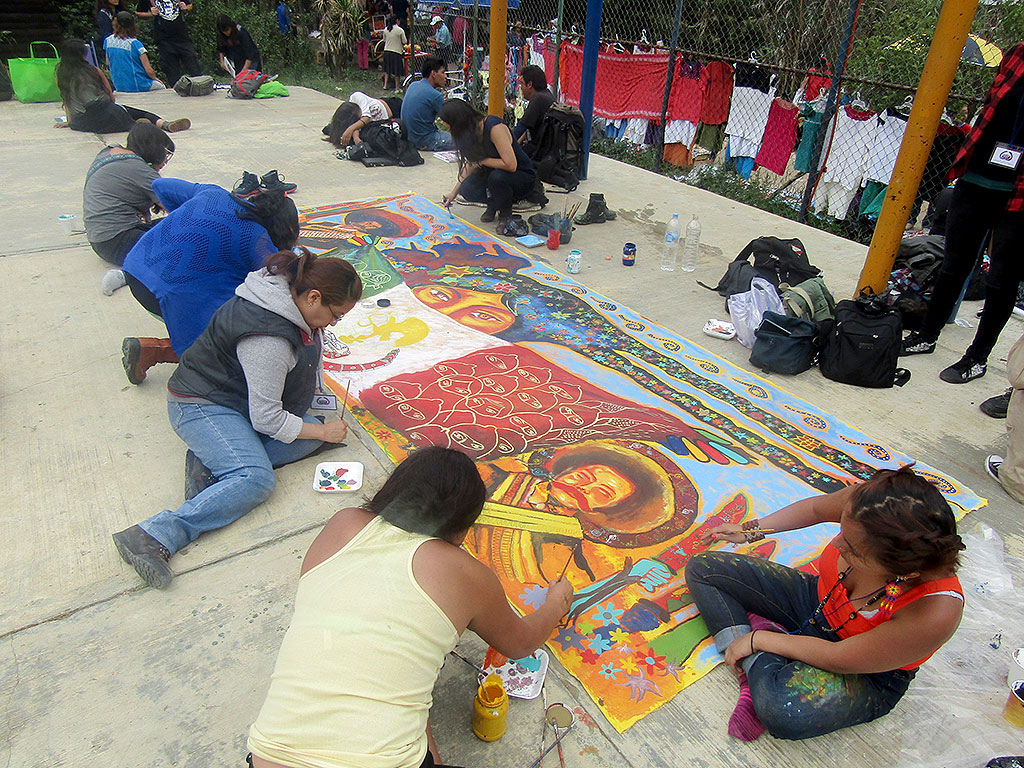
point(890, 591)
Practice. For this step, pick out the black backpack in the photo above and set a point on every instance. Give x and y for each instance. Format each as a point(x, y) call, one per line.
point(862, 346)
point(777, 261)
point(784, 344)
point(557, 151)
point(387, 141)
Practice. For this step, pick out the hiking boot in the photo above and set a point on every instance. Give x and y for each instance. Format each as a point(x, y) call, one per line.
point(138, 355)
point(197, 477)
point(248, 186)
point(963, 370)
point(997, 406)
point(992, 465)
point(916, 344)
point(488, 215)
point(597, 211)
point(272, 181)
point(146, 555)
point(181, 124)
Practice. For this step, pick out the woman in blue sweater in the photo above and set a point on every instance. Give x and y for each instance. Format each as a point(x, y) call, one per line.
point(190, 263)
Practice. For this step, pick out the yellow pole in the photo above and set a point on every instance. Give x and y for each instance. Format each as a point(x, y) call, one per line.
point(932, 92)
point(496, 78)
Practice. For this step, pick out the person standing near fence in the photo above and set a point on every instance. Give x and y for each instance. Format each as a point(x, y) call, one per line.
point(988, 200)
point(393, 64)
point(173, 44)
point(442, 39)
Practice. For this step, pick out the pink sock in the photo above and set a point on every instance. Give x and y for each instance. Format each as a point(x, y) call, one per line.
point(743, 724)
point(760, 623)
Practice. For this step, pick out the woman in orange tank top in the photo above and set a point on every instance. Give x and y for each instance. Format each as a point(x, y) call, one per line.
point(815, 653)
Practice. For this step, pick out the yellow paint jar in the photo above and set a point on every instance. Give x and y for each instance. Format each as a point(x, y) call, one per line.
point(1014, 709)
point(490, 709)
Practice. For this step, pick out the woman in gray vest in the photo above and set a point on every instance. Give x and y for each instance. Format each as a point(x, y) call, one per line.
point(239, 400)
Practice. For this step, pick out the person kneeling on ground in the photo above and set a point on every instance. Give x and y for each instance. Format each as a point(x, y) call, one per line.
point(118, 197)
point(394, 563)
point(236, 48)
point(359, 111)
point(89, 100)
point(239, 399)
point(421, 105)
point(817, 653)
point(190, 263)
point(493, 169)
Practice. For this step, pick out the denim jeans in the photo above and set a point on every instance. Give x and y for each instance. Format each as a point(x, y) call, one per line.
point(438, 141)
point(793, 700)
point(499, 189)
point(239, 457)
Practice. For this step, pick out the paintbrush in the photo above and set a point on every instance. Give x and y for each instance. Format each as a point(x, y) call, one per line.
point(458, 655)
point(558, 740)
point(571, 555)
point(344, 403)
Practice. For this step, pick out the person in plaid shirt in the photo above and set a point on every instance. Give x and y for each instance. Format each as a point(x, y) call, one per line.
point(988, 199)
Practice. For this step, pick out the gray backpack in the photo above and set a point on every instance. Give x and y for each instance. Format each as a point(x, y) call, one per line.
point(200, 85)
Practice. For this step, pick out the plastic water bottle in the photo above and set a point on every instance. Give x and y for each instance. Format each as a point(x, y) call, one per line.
point(691, 246)
point(668, 256)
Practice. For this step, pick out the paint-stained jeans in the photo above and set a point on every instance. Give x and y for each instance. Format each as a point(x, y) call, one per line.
point(793, 700)
point(241, 459)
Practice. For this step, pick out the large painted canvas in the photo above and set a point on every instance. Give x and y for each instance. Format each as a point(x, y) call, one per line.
point(606, 442)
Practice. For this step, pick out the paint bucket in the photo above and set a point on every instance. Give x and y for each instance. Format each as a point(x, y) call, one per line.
point(1013, 712)
point(67, 221)
point(490, 709)
point(1016, 670)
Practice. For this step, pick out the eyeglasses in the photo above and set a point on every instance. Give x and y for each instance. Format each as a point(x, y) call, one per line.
point(168, 156)
point(336, 315)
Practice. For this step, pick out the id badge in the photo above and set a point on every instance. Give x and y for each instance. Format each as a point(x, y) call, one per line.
point(1006, 156)
point(325, 402)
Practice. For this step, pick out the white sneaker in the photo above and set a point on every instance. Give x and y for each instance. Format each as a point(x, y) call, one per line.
point(112, 280)
point(992, 465)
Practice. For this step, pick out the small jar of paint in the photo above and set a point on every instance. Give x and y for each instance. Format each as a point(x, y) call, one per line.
point(490, 709)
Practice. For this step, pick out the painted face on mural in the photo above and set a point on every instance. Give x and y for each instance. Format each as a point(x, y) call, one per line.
point(591, 487)
point(474, 309)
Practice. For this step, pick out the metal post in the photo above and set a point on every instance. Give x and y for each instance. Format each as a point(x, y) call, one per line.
point(932, 92)
point(830, 109)
point(591, 45)
point(558, 46)
point(496, 79)
point(659, 154)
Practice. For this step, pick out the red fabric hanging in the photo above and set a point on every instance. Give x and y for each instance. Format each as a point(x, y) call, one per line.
point(717, 95)
point(779, 137)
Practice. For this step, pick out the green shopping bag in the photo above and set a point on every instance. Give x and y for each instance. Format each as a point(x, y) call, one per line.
point(35, 79)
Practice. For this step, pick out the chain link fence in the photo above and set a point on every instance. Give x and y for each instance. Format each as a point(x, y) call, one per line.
point(796, 106)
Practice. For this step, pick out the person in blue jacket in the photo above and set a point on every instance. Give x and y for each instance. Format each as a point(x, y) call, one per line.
point(190, 263)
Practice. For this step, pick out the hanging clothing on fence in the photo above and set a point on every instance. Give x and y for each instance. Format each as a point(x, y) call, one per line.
point(752, 99)
point(536, 52)
point(711, 137)
point(680, 132)
point(886, 146)
point(805, 152)
point(744, 165)
point(717, 93)
point(871, 199)
point(686, 99)
point(636, 130)
point(779, 137)
point(842, 164)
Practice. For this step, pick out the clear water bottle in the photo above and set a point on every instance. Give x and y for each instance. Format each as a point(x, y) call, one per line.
point(691, 246)
point(669, 255)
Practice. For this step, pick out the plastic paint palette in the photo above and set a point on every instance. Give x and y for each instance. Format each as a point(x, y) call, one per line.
point(332, 476)
point(522, 678)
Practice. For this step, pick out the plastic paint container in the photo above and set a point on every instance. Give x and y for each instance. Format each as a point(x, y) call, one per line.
point(490, 709)
point(629, 254)
point(1013, 712)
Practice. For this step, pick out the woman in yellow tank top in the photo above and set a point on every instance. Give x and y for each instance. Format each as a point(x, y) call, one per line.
point(384, 593)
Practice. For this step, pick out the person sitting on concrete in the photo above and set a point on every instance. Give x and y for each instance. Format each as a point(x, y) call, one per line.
point(118, 197)
point(493, 169)
point(395, 561)
point(189, 264)
point(421, 106)
point(174, 47)
point(988, 200)
point(239, 399)
point(1010, 471)
point(88, 98)
point(127, 58)
point(359, 111)
point(886, 599)
point(236, 48)
point(539, 99)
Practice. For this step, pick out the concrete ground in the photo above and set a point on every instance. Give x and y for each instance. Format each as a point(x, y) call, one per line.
point(97, 671)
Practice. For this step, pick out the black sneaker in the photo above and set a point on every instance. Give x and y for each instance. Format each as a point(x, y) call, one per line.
point(488, 215)
point(964, 370)
point(146, 555)
point(992, 465)
point(197, 477)
point(272, 180)
point(916, 344)
point(997, 406)
point(248, 186)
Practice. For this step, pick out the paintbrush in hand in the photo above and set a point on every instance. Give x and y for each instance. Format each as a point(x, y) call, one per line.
point(571, 555)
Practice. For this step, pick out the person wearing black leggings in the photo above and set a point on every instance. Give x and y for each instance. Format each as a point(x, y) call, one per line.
point(988, 200)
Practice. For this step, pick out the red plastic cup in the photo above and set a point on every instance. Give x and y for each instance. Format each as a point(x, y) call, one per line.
point(554, 238)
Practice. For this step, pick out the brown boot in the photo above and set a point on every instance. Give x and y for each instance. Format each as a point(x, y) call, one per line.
point(139, 354)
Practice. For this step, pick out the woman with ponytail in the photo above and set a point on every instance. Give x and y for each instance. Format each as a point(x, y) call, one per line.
point(239, 399)
point(190, 263)
point(837, 644)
